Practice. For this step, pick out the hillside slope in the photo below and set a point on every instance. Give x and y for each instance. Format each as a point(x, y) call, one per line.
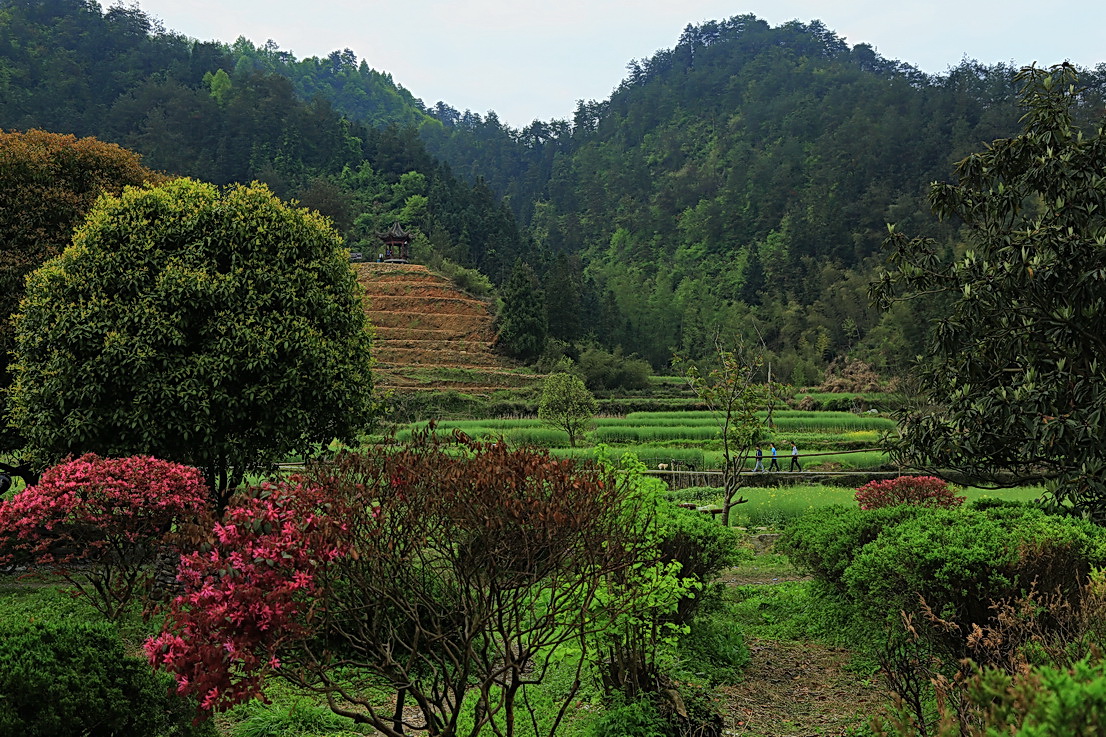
point(431, 335)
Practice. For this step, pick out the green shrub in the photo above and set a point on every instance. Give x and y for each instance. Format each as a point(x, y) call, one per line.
point(701, 546)
point(629, 719)
point(466, 279)
point(825, 541)
point(1042, 702)
point(962, 561)
point(601, 369)
point(696, 494)
point(993, 503)
point(73, 678)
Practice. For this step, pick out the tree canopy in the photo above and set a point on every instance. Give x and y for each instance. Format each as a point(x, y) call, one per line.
point(238, 113)
point(222, 329)
point(48, 182)
point(1014, 389)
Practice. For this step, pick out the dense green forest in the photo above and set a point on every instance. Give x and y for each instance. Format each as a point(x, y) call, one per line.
point(219, 113)
point(737, 184)
point(741, 183)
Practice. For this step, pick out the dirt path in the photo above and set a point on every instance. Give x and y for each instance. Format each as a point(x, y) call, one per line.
point(796, 689)
point(799, 689)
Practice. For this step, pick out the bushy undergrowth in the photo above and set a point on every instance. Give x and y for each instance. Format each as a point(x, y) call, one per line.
point(465, 279)
point(70, 677)
point(1004, 582)
point(702, 547)
point(714, 650)
point(1042, 701)
point(636, 718)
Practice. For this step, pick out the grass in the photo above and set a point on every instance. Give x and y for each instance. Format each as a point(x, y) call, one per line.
point(651, 456)
point(766, 567)
point(23, 600)
point(870, 397)
point(295, 718)
point(775, 507)
point(653, 433)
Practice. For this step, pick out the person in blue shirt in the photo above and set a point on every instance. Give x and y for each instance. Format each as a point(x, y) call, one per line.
point(774, 465)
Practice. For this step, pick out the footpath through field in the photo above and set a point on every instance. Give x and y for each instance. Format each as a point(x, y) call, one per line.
point(799, 689)
point(796, 689)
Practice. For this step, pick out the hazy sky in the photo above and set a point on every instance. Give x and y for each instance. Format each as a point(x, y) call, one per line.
point(532, 60)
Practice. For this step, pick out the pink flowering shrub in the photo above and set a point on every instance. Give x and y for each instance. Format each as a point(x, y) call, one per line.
point(251, 594)
point(918, 491)
point(99, 524)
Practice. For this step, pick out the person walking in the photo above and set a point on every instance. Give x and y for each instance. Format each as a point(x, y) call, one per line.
point(759, 466)
point(774, 465)
point(795, 458)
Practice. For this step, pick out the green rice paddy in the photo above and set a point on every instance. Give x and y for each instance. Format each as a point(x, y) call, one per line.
point(691, 439)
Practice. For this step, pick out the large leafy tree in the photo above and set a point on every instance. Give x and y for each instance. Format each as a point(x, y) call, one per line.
point(221, 329)
point(48, 182)
point(1015, 386)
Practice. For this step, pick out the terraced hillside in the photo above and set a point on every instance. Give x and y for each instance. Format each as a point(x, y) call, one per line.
point(431, 336)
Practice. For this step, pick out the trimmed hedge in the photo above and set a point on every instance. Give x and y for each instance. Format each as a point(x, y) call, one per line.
point(960, 561)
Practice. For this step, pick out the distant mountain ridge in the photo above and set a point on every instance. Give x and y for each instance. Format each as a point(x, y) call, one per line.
point(738, 184)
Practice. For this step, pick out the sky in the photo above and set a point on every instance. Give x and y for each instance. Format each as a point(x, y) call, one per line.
point(534, 59)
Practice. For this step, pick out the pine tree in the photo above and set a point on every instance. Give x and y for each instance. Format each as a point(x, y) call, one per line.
point(523, 324)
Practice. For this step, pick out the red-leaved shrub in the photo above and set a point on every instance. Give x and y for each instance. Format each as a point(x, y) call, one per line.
point(249, 595)
point(446, 568)
point(918, 491)
point(99, 523)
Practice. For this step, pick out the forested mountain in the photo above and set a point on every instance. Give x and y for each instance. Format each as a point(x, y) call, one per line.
point(742, 182)
point(224, 114)
point(739, 183)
